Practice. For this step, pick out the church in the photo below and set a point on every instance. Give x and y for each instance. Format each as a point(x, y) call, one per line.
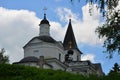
point(44, 51)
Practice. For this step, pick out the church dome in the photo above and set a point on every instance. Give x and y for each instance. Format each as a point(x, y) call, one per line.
point(44, 21)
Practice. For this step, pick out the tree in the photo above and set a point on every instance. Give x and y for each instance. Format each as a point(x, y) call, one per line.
point(111, 31)
point(111, 28)
point(115, 69)
point(3, 59)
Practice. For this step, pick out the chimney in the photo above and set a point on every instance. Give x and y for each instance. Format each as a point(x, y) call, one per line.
point(41, 61)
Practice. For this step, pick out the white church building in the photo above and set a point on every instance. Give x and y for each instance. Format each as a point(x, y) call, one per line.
point(45, 52)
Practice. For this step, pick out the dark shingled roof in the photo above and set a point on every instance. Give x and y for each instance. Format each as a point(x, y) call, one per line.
point(69, 37)
point(44, 21)
point(29, 59)
point(46, 39)
point(43, 38)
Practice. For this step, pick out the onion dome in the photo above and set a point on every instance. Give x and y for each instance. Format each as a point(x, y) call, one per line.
point(44, 21)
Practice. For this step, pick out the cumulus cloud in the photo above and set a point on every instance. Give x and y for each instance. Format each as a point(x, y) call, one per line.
point(90, 57)
point(57, 31)
point(65, 14)
point(16, 28)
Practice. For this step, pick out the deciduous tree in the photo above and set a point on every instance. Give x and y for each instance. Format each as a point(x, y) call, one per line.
point(3, 59)
point(111, 31)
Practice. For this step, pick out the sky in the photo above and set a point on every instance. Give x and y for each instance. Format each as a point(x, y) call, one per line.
point(19, 23)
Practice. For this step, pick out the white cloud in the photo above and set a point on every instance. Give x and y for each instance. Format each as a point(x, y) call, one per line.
point(16, 28)
point(65, 13)
point(57, 31)
point(90, 57)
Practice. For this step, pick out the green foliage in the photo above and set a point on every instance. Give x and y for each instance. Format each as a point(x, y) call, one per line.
point(111, 31)
point(113, 76)
point(18, 72)
point(3, 59)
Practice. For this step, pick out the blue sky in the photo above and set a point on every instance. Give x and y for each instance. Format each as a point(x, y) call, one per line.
point(19, 21)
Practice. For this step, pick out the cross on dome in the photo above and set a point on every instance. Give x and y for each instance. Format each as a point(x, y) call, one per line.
point(45, 9)
point(44, 21)
point(70, 16)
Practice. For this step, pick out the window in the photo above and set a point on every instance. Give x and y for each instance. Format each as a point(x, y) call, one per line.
point(35, 51)
point(59, 56)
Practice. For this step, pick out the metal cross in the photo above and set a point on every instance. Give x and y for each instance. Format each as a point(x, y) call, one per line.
point(44, 9)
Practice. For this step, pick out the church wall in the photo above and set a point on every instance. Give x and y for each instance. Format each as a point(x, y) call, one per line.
point(48, 50)
point(46, 67)
point(56, 66)
point(44, 29)
point(29, 64)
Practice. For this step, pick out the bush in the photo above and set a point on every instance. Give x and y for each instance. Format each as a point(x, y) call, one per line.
point(18, 72)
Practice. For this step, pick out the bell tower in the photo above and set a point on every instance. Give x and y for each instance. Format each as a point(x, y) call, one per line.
point(70, 44)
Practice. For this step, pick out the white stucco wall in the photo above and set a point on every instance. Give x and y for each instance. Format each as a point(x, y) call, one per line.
point(48, 50)
point(44, 30)
point(56, 66)
point(46, 66)
point(29, 64)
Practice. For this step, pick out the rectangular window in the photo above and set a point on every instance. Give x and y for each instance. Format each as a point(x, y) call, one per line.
point(35, 51)
point(59, 56)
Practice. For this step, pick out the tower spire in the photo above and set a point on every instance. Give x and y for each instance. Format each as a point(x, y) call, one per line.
point(69, 40)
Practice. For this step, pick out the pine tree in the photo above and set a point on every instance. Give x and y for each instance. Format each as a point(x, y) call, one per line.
point(115, 69)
